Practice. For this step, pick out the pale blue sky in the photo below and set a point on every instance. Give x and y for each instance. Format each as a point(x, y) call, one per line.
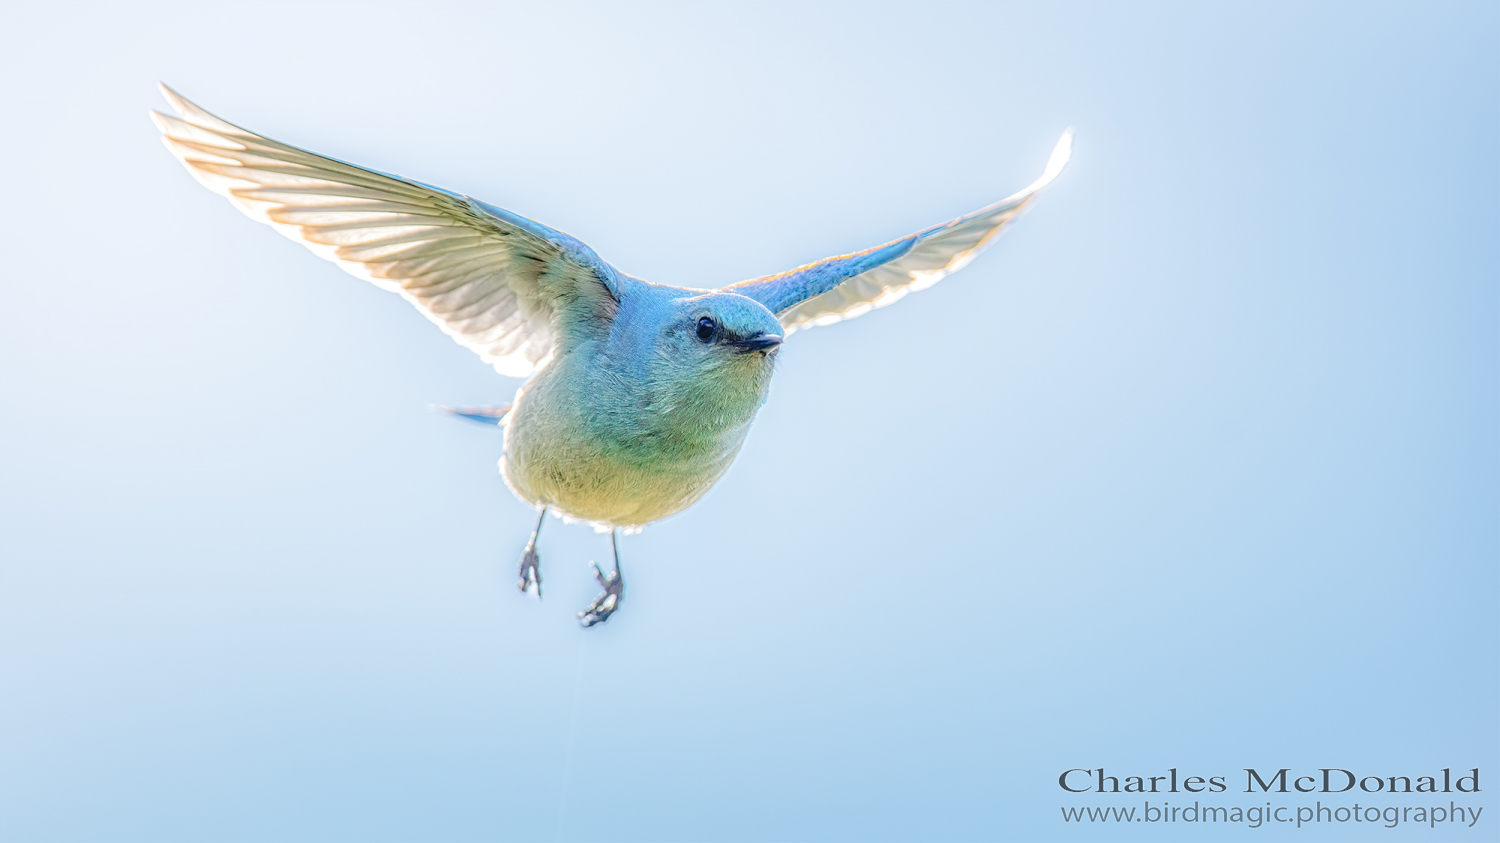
point(1198, 467)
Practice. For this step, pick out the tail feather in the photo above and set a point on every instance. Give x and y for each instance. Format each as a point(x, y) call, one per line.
point(484, 415)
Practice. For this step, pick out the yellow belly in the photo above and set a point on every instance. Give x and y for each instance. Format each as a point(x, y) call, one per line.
point(551, 464)
point(594, 490)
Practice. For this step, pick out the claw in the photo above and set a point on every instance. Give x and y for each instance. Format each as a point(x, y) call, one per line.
point(531, 565)
point(530, 572)
point(605, 604)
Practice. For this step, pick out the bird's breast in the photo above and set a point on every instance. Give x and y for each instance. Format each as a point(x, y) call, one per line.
point(617, 460)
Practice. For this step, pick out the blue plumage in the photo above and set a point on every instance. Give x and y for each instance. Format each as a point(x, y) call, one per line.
point(640, 394)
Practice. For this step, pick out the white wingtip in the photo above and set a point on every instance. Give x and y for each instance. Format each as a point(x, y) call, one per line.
point(191, 113)
point(1055, 164)
point(1060, 155)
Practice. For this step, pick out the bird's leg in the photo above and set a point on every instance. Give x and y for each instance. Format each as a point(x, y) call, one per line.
point(531, 572)
point(614, 589)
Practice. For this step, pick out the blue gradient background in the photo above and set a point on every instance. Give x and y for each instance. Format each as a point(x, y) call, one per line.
point(1198, 467)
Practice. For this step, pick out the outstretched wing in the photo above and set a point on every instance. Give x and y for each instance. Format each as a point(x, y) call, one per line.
point(492, 280)
point(847, 286)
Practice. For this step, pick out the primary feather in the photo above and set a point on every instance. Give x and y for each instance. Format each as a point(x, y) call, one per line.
point(489, 278)
point(843, 287)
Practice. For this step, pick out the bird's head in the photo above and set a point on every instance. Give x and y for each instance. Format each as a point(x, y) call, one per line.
point(714, 352)
point(719, 330)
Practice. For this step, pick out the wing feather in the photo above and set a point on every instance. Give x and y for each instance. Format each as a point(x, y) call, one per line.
point(847, 286)
point(492, 280)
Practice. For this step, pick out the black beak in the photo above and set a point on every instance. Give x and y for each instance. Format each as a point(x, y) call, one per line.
point(759, 342)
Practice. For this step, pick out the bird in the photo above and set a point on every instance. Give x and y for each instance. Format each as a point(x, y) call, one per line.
point(639, 395)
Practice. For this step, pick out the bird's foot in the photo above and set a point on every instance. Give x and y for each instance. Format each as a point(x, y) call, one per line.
point(605, 604)
point(530, 572)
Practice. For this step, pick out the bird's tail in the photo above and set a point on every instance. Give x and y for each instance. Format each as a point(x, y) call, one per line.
point(484, 415)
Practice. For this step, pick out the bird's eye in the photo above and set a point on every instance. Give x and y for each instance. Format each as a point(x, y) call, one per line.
point(707, 328)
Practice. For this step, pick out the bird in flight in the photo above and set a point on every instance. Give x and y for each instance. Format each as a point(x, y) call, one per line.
point(639, 394)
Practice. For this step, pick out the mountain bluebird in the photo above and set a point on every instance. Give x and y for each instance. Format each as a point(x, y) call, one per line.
point(640, 394)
